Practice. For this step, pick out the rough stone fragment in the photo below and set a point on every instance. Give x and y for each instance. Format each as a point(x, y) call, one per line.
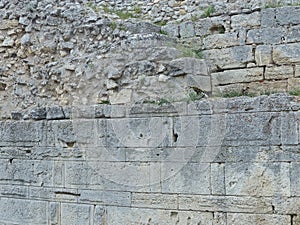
point(8, 42)
point(8, 24)
point(186, 30)
point(188, 65)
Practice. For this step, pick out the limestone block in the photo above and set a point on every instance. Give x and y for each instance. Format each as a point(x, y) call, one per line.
point(255, 128)
point(288, 53)
point(120, 176)
point(14, 191)
point(294, 84)
point(156, 201)
point(280, 72)
point(20, 211)
point(105, 197)
point(257, 219)
point(8, 24)
point(245, 20)
point(263, 55)
point(297, 71)
point(121, 97)
point(138, 132)
point(289, 129)
point(257, 179)
point(287, 205)
point(266, 36)
point(268, 18)
point(293, 34)
point(20, 133)
point(186, 29)
point(288, 15)
point(214, 25)
point(217, 178)
point(121, 216)
point(53, 194)
point(295, 179)
point(75, 214)
point(221, 40)
point(189, 65)
point(188, 178)
point(225, 203)
point(234, 57)
point(237, 76)
point(202, 107)
point(171, 29)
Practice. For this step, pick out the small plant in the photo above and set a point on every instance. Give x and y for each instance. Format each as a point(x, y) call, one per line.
point(106, 9)
point(208, 11)
point(295, 92)
point(163, 32)
point(93, 6)
point(124, 15)
point(106, 102)
point(193, 96)
point(189, 52)
point(162, 101)
point(113, 25)
point(232, 94)
point(137, 10)
point(161, 23)
point(194, 18)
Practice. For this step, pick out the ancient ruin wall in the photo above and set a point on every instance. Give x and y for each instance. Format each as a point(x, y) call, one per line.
point(112, 112)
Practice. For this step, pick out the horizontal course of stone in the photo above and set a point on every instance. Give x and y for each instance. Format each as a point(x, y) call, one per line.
point(216, 161)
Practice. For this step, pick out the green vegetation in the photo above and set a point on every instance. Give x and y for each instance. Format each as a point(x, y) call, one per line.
point(208, 11)
point(123, 14)
point(161, 23)
point(232, 94)
point(113, 25)
point(162, 101)
point(193, 96)
point(189, 52)
point(163, 32)
point(93, 6)
point(295, 92)
point(137, 10)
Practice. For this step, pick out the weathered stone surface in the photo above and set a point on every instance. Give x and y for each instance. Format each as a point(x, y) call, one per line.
point(266, 36)
point(221, 40)
point(245, 20)
point(234, 76)
point(257, 179)
point(288, 15)
point(280, 72)
point(225, 203)
point(119, 216)
point(157, 201)
point(234, 57)
point(263, 55)
point(258, 219)
point(288, 53)
point(75, 214)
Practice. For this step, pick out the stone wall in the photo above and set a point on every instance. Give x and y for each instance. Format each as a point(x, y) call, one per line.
point(112, 112)
point(217, 161)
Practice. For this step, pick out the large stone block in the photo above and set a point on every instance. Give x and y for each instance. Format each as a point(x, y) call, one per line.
point(295, 179)
point(221, 40)
point(288, 15)
point(225, 203)
point(19, 211)
point(268, 18)
point(187, 178)
point(266, 36)
point(120, 176)
point(26, 172)
point(245, 20)
point(237, 76)
point(217, 178)
point(121, 216)
point(272, 179)
point(75, 214)
point(156, 201)
point(263, 55)
point(280, 72)
point(234, 57)
point(286, 54)
point(186, 29)
point(257, 219)
point(20, 133)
